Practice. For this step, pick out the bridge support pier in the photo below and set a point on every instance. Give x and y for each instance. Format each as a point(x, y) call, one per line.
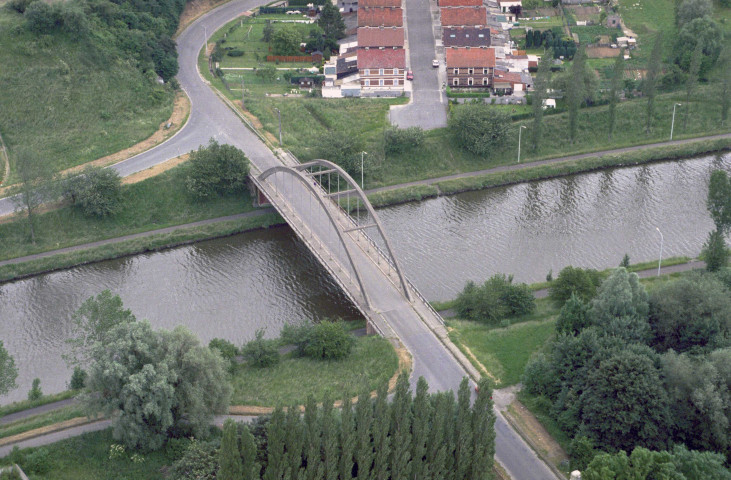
point(260, 200)
point(370, 329)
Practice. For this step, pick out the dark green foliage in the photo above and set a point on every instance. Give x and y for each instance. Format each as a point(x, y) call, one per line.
point(463, 432)
point(483, 429)
point(577, 91)
point(341, 149)
point(692, 314)
point(400, 430)
point(539, 377)
point(248, 454)
point(715, 252)
point(625, 261)
point(227, 349)
point(347, 440)
point(35, 390)
point(540, 91)
point(331, 22)
point(573, 317)
point(363, 425)
point(718, 202)
point(229, 457)
point(261, 352)
point(78, 378)
point(276, 438)
point(480, 129)
point(286, 40)
point(399, 140)
point(217, 170)
point(581, 452)
point(329, 440)
point(295, 441)
point(654, 67)
point(8, 371)
point(381, 440)
point(268, 31)
point(97, 192)
point(327, 340)
point(496, 299)
point(37, 461)
point(423, 411)
point(235, 53)
point(19, 5)
point(694, 464)
point(725, 84)
point(313, 442)
point(701, 30)
point(620, 295)
point(42, 17)
point(199, 462)
point(582, 282)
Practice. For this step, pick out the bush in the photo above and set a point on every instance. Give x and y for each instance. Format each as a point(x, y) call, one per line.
point(199, 462)
point(715, 252)
point(398, 140)
point(217, 170)
point(496, 299)
point(581, 451)
point(227, 349)
point(261, 352)
point(38, 462)
point(78, 379)
point(41, 17)
point(19, 5)
point(35, 391)
point(97, 192)
point(235, 53)
point(328, 340)
point(582, 282)
point(479, 129)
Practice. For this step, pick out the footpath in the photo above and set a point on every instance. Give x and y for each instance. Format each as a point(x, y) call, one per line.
point(49, 434)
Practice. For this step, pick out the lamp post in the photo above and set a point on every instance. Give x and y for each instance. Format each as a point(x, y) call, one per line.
point(659, 262)
point(362, 185)
point(672, 124)
point(520, 130)
point(279, 114)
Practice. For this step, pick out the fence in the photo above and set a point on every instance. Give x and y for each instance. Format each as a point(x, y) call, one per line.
point(289, 58)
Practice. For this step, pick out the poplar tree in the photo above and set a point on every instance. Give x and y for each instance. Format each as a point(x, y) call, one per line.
point(248, 455)
point(576, 91)
point(420, 430)
point(540, 89)
point(483, 428)
point(653, 70)
point(313, 430)
point(295, 441)
point(347, 439)
point(615, 87)
point(692, 80)
point(275, 446)
point(229, 457)
point(725, 84)
point(401, 428)
point(463, 432)
point(439, 448)
point(364, 421)
point(381, 445)
point(329, 439)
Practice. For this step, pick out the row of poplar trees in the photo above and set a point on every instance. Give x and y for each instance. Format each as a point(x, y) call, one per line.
point(421, 437)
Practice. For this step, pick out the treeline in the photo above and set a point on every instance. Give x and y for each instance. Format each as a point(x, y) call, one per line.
point(421, 437)
point(551, 39)
point(631, 369)
point(138, 29)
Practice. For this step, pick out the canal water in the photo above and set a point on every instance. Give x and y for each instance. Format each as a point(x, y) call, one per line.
point(231, 287)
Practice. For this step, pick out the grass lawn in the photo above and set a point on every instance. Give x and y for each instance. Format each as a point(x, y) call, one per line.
point(372, 361)
point(87, 458)
point(154, 203)
point(41, 420)
point(69, 101)
point(588, 34)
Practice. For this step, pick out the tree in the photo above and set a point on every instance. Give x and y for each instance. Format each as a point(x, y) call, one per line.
point(612, 415)
point(217, 170)
point(379, 430)
point(331, 22)
point(36, 178)
point(689, 10)
point(582, 282)
point(268, 31)
point(329, 440)
point(725, 84)
point(199, 462)
point(35, 391)
point(155, 383)
point(496, 299)
point(97, 192)
point(267, 74)
point(341, 149)
point(286, 40)
point(347, 440)
point(295, 442)
point(8, 371)
point(313, 439)
point(573, 317)
point(483, 430)
point(400, 430)
point(363, 424)
point(620, 295)
point(261, 352)
point(718, 202)
point(642, 464)
point(715, 252)
point(248, 454)
point(276, 437)
point(480, 129)
point(463, 432)
point(654, 65)
point(420, 430)
point(616, 84)
point(692, 80)
point(540, 89)
point(229, 457)
point(577, 91)
point(703, 30)
point(695, 464)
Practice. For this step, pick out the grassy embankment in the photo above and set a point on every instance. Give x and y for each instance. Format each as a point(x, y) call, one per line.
point(71, 101)
point(41, 420)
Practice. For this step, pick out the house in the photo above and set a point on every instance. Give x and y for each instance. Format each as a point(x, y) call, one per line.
point(624, 42)
point(379, 3)
point(505, 5)
point(306, 82)
point(508, 82)
point(463, 16)
point(470, 67)
point(380, 17)
point(466, 37)
point(460, 3)
point(613, 21)
point(347, 6)
point(380, 37)
point(382, 69)
point(549, 103)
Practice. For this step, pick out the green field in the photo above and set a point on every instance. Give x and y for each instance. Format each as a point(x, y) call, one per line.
point(70, 101)
point(372, 362)
point(41, 420)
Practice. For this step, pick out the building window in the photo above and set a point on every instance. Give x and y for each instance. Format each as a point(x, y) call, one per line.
point(456, 71)
point(395, 81)
point(367, 83)
point(395, 71)
point(366, 72)
point(380, 71)
point(470, 71)
point(484, 82)
point(455, 81)
point(484, 71)
point(380, 82)
point(470, 81)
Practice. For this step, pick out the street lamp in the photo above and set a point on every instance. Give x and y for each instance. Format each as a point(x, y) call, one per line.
point(672, 124)
point(362, 185)
point(659, 262)
point(279, 114)
point(520, 130)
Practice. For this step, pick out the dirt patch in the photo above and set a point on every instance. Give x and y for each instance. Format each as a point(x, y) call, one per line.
point(534, 433)
point(194, 9)
point(602, 52)
point(156, 170)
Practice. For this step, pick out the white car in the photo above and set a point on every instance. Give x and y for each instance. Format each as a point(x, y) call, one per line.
point(435, 63)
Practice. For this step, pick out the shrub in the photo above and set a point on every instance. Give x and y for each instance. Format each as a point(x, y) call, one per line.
point(199, 462)
point(261, 352)
point(97, 192)
point(38, 462)
point(581, 451)
point(41, 17)
point(479, 129)
point(227, 349)
point(217, 170)
point(19, 5)
point(398, 140)
point(496, 299)
point(235, 53)
point(715, 252)
point(35, 391)
point(328, 340)
point(78, 378)
point(582, 282)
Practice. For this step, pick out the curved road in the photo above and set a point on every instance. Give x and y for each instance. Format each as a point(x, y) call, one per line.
point(211, 118)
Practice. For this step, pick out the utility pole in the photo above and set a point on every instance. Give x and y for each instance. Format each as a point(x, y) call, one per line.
point(279, 114)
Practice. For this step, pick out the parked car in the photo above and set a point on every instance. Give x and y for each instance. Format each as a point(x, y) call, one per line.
point(435, 63)
point(409, 75)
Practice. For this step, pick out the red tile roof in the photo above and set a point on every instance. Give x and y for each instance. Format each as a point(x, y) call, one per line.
point(381, 37)
point(460, 3)
point(379, 3)
point(470, 57)
point(377, 17)
point(507, 77)
point(386, 58)
point(464, 16)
